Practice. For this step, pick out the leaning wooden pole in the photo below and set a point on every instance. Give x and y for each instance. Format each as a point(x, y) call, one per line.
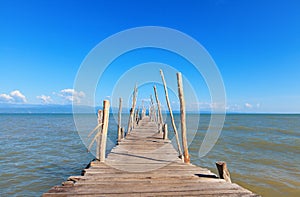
point(154, 117)
point(182, 118)
point(119, 120)
point(159, 109)
point(171, 113)
point(130, 121)
point(104, 130)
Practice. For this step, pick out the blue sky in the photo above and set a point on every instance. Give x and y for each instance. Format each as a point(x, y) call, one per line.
point(255, 44)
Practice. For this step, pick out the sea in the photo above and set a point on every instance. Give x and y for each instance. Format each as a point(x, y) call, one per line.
point(262, 151)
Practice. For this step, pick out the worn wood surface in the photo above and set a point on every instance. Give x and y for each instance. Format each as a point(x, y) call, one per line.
point(186, 155)
point(143, 164)
point(171, 112)
point(102, 146)
point(161, 121)
point(119, 120)
point(223, 171)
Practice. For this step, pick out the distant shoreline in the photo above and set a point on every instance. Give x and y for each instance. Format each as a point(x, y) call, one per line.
point(188, 113)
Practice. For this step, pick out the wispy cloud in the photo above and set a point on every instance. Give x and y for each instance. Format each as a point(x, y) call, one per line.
point(71, 95)
point(45, 99)
point(248, 105)
point(13, 97)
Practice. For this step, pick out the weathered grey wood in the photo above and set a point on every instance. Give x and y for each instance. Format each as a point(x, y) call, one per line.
point(131, 115)
point(144, 164)
point(153, 116)
point(223, 171)
point(119, 120)
point(136, 117)
point(102, 147)
point(165, 132)
point(122, 133)
point(99, 135)
point(182, 119)
point(171, 113)
point(159, 110)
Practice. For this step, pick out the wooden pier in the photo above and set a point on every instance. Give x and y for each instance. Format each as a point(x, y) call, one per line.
point(145, 164)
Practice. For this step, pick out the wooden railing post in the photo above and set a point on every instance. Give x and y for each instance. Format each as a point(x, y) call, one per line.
point(223, 171)
point(171, 113)
point(100, 119)
point(182, 118)
point(153, 110)
point(102, 147)
point(122, 133)
point(136, 120)
point(160, 123)
point(143, 112)
point(119, 120)
point(130, 120)
point(165, 132)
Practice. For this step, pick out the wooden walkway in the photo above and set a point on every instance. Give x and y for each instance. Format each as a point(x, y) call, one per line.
point(143, 164)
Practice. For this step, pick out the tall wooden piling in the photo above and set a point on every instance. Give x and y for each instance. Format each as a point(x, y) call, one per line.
point(153, 110)
point(165, 132)
point(159, 109)
point(102, 147)
point(136, 117)
point(183, 119)
point(99, 133)
point(171, 113)
point(130, 121)
point(119, 120)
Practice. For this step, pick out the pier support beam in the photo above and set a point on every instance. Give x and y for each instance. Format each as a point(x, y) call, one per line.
point(165, 132)
point(160, 122)
point(119, 120)
point(171, 113)
point(182, 118)
point(102, 147)
point(223, 171)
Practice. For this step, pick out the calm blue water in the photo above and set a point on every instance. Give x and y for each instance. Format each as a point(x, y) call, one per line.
point(39, 151)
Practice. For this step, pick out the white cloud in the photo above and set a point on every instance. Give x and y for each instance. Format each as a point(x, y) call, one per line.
point(14, 97)
point(45, 99)
point(71, 95)
point(248, 105)
point(18, 96)
point(6, 98)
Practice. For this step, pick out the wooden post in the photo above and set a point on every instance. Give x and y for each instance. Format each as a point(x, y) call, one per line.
point(165, 130)
point(143, 113)
point(136, 120)
point(159, 109)
point(182, 118)
point(122, 133)
point(223, 171)
point(105, 118)
point(100, 116)
point(130, 121)
point(171, 113)
point(138, 115)
point(153, 110)
point(119, 120)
